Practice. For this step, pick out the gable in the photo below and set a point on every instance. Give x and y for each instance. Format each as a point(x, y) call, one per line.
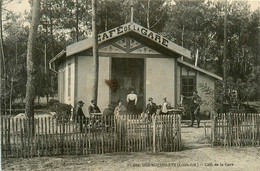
point(111, 49)
point(151, 36)
point(127, 45)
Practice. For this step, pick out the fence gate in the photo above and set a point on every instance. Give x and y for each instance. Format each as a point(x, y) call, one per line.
point(160, 133)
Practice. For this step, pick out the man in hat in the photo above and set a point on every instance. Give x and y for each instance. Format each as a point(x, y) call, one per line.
point(93, 108)
point(150, 108)
point(131, 102)
point(195, 108)
point(80, 118)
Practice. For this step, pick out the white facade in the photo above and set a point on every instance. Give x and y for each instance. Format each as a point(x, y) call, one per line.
point(165, 75)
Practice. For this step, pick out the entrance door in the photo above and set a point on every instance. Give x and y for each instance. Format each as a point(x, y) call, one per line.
point(128, 73)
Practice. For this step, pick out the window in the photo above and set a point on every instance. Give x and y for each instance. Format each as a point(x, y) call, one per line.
point(69, 79)
point(188, 85)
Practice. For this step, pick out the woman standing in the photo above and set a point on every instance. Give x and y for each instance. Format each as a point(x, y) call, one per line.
point(131, 102)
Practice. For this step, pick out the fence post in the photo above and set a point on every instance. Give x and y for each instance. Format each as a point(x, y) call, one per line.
point(214, 122)
point(205, 131)
point(154, 133)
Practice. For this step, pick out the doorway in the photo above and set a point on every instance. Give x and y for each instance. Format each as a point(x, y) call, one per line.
point(128, 73)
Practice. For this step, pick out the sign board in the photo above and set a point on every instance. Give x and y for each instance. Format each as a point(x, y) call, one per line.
point(144, 32)
point(125, 28)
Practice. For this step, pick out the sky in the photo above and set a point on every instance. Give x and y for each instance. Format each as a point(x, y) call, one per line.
point(19, 6)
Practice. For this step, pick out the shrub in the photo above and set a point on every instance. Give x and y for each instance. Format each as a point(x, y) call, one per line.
point(62, 110)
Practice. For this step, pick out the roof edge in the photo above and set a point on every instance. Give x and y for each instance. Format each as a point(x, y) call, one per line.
point(200, 69)
point(59, 55)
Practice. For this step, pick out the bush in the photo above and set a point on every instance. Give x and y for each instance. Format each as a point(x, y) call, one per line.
point(52, 102)
point(62, 110)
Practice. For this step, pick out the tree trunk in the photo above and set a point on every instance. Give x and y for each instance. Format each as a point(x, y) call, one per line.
point(30, 85)
point(95, 51)
point(11, 94)
point(148, 14)
point(47, 98)
point(225, 49)
point(2, 63)
point(77, 19)
point(52, 50)
point(1, 92)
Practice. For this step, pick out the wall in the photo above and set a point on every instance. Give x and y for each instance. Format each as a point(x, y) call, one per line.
point(103, 89)
point(160, 79)
point(202, 78)
point(178, 85)
point(61, 84)
point(85, 78)
point(69, 99)
point(81, 89)
point(63, 72)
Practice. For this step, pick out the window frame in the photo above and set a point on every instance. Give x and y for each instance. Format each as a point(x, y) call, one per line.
point(188, 76)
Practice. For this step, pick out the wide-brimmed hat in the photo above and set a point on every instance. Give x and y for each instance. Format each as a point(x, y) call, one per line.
point(164, 98)
point(81, 102)
point(150, 99)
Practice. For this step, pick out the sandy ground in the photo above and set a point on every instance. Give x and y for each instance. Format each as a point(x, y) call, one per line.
point(196, 155)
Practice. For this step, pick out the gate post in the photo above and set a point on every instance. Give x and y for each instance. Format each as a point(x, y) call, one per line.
point(154, 132)
point(213, 130)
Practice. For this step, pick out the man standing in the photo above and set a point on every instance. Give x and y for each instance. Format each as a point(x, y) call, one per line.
point(93, 108)
point(131, 102)
point(80, 117)
point(150, 108)
point(195, 108)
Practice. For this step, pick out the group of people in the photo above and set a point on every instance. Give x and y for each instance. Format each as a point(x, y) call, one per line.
point(80, 116)
point(150, 109)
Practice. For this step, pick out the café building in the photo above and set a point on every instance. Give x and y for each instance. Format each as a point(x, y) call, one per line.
point(130, 56)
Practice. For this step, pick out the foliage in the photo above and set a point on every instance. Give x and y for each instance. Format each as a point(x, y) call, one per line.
point(63, 111)
point(213, 98)
point(199, 25)
point(221, 101)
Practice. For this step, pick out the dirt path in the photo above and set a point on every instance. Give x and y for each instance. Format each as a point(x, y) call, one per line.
point(193, 138)
point(196, 155)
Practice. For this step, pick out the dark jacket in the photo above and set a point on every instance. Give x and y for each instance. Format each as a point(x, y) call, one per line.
point(150, 108)
point(79, 117)
point(93, 109)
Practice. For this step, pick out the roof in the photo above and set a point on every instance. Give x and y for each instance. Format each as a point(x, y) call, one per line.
point(200, 69)
point(123, 29)
point(140, 30)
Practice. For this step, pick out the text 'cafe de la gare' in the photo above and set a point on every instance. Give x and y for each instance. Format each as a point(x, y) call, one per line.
point(122, 29)
point(135, 57)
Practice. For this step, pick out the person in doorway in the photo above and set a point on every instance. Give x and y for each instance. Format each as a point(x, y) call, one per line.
point(120, 109)
point(195, 108)
point(93, 108)
point(150, 108)
point(80, 118)
point(165, 106)
point(131, 102)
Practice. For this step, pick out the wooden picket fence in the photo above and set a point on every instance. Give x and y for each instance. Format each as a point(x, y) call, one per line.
point(236, 129)
point(98, 135)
